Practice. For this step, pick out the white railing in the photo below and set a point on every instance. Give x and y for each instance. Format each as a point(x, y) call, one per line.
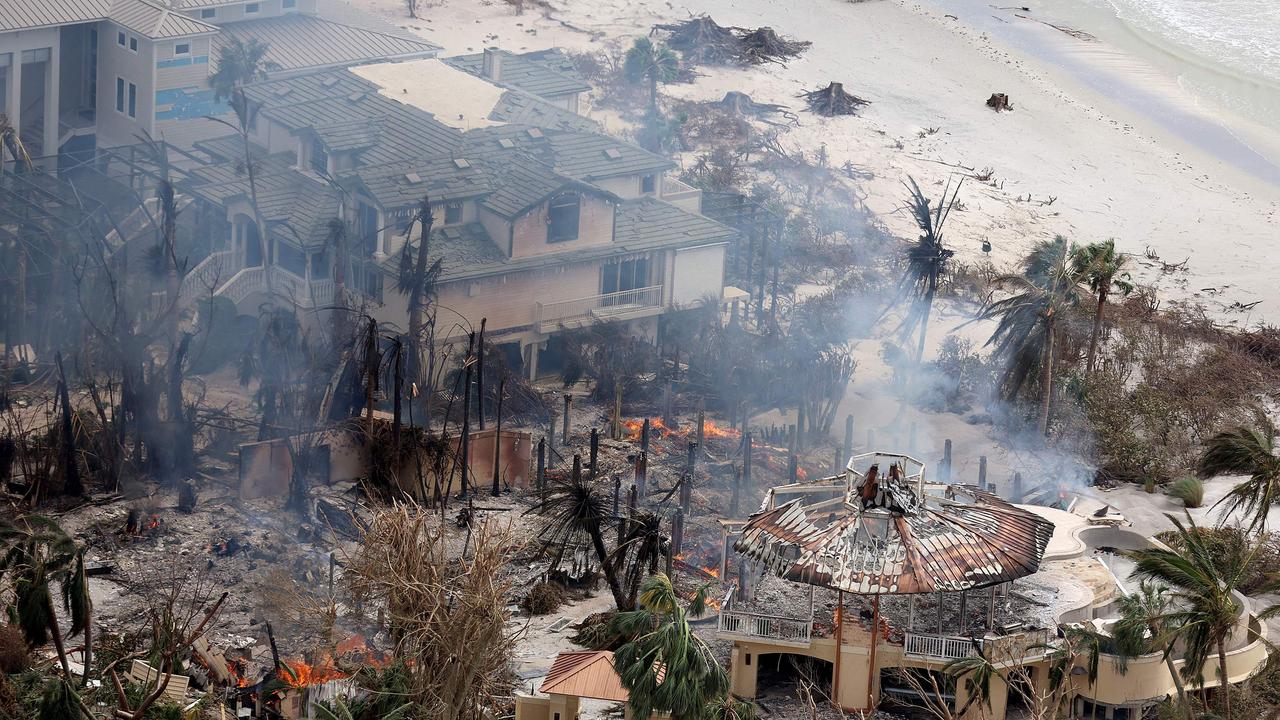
point(937, 647)
point(243, 284)
point(143, 217)
point(206, 276)
point(600, 306)
point(773, 627)
point(682, 195)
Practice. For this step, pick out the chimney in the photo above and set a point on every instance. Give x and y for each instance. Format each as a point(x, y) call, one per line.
point(491, 65)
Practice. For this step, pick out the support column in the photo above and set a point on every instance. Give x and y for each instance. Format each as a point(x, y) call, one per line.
point(51, 99)
point(533, 360)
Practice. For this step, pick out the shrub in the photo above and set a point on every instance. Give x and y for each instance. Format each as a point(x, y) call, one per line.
point(544, 597)
point(1189, 490)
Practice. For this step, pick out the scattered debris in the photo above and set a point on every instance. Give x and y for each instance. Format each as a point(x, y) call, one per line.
point(763, 45)
point(833, 100)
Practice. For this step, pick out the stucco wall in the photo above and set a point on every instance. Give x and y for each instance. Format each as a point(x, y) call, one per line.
point(117, 128)
point(595, 227)
point(697, 273)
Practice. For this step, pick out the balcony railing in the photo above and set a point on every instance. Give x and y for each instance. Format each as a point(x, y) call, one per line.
point(681, 195)
point(619, 305)
point(937, 647)
point(206, 276)
point(740, 623)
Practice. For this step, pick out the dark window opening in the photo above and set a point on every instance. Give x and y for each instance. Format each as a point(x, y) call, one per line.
point(648, 184)
point(119, 94)
point(292, 259)
point(320, 265)
point(133, 43)
point(251, 9)
point(367, 228)
point(626, 275)
point(562, 218)
point(182, 49)
point(319, 157)
point(208, 13)
point(748, 662)
point(120, 39)
point(452, 213)
point(133, 100)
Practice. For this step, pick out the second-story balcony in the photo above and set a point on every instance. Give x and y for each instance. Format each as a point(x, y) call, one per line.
point(624, 305)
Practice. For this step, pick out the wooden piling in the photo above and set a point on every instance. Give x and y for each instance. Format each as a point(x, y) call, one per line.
point(564, 432)
point(793, 463)
point(644, 436)
point(982, 472)
point(800, 425)
point(946, 461)
point(595, 453)
point(542, 467)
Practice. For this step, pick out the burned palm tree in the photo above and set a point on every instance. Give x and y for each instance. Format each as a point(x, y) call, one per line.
point(11, 143)
point(417, 279)
point(926, 259)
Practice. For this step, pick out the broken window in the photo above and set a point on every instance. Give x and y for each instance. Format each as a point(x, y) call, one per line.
point(562, 217)
point(452, 213)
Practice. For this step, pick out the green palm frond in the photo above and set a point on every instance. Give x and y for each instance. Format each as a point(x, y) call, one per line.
point(1245, 451)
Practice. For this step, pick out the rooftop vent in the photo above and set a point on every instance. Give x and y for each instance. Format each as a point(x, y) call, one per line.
point(613, 154)
point(461, 164)
point(506, 143)
point(413, 178)
point(534, 133)
point(330, 81)
point(356, 97)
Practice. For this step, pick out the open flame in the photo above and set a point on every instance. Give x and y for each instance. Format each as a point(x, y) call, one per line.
point(709, 429)
point(301, 674)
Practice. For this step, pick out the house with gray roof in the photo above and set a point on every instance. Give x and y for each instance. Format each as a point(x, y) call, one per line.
point(76, 75)
point(537, 228)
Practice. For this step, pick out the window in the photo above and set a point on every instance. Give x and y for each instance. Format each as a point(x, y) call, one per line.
point(319, 157)
point(648, 184)
point(452, 213)
point(624, 275)
point(367, 228)
point(120, 39)
point(119, 95)
point(182, 49)
point(133, 43)
point(289, 4)
point(291, 259)
point(562, 218)
point(133, 100)
point(251, 9)
point(208, 13)
point(748, 663)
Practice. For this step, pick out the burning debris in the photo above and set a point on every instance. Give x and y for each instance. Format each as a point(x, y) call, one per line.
point(139, 523)
point(832, 100)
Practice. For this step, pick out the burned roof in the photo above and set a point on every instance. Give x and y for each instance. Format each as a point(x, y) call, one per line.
point(545, 73)
point(884, 535)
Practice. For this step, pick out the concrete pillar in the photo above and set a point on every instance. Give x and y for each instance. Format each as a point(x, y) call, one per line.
point(51, 99)
point(533, 360)
point(742, 671)
point(14, 103)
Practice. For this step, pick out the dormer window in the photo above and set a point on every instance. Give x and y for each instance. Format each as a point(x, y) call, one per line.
point(562, 217)
point(648, 184)
point(251, 9)
point(452, 213)
point(208, 13)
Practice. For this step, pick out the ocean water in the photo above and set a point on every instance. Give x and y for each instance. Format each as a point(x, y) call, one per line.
point(1241, 35)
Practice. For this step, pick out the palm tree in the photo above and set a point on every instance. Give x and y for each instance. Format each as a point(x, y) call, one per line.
point(977, 671)
point(654, 62)
point(38, 552)
point(239, 63)
point(1103, 269)
point(1077, 643)
point(417, 279)
point(1245, 451)
point(927, 259)
point(577, 506)
point(665, 667)
point(1202, 589)
point(1143, 627)
point(1030, 319)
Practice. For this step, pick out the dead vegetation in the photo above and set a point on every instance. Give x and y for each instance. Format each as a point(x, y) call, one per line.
point(832, 100)
point(701, 41)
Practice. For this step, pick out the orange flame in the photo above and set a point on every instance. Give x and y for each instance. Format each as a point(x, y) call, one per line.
point(709, 429)
point(302, 675)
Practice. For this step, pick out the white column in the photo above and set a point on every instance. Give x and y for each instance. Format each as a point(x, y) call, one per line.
point(15, 91)
point(51, 97)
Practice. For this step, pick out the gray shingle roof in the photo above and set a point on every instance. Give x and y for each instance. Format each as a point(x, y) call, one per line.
point(394, 186)
point(405, 131)
point(523, 183)
point(592, 156)
point(298, 205)
point(20, 14)
point(646, 222)
point(299, 41)
point(156, 21)
point(545, 73)
point(306, 88)
point(516, 106)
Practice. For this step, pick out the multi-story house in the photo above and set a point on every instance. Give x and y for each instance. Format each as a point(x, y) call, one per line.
point(80, 74)
point(541, 222)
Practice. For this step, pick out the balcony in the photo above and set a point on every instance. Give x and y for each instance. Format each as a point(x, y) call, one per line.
point(683, 196)
point(624, 305)
point(778, 630)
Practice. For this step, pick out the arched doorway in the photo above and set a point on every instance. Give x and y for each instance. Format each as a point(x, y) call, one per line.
point(790, 675)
